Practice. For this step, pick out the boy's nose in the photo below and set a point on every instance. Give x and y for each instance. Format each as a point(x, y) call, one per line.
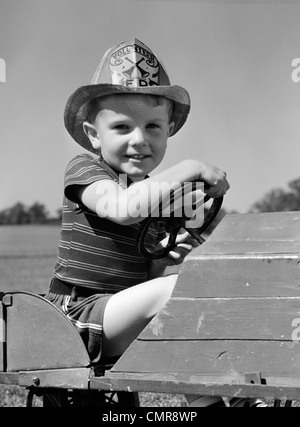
point(138, 137)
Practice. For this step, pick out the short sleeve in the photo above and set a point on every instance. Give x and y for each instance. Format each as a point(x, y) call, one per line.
point(82, 170)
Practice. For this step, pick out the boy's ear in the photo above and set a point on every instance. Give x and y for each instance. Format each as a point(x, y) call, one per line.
point(171, 127)
point(92, 134)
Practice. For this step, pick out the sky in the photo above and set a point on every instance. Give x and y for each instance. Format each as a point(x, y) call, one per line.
point(234, 58)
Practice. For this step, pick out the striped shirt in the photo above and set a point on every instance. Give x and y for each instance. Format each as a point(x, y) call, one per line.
point(96, 252)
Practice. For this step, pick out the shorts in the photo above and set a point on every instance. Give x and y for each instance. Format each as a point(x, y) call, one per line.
point(85, 312)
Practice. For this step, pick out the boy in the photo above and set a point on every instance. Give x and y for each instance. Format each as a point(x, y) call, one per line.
point(125, 116)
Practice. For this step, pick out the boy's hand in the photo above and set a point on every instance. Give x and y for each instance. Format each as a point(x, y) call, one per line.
point(185, 243)
point(214, 177)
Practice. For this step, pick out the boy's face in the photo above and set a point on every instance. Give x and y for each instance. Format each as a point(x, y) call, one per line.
point(131, 133)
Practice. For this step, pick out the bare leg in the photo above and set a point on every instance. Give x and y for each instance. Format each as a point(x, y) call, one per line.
point(129, 311)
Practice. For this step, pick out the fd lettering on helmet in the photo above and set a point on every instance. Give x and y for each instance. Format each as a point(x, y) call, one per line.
point(139, 83)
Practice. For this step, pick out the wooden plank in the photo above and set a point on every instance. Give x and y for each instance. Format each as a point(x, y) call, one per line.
point(225, 318)
point(238, 276)
point(229, 359)
point(250, 247)
point(259, 227)
point(75, 378)
point(273, 232)
point(139, 382)
point(39, 336)
point(2, 339)
point(9, 378)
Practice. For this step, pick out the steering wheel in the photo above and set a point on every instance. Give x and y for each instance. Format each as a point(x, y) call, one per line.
point(172, 226)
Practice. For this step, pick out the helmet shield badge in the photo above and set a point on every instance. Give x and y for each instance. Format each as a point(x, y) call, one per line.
point(133, 65)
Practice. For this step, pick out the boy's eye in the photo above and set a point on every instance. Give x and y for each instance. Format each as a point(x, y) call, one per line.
point(121, 127)
point(153, 126)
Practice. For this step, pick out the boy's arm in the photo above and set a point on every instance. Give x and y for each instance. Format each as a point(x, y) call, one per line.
point(130, 205)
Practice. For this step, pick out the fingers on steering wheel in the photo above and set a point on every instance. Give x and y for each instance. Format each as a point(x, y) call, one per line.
point(180, 251)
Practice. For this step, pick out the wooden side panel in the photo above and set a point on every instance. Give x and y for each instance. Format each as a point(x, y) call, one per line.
point(234, 312)
point(226, 319)
point(227, 359)
point(269, 233)
point(39, 336)
point(250, 247)
point(238, 276)
point(263, 227)
point(246, 255)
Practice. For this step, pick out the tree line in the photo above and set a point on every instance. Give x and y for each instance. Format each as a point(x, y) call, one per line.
point(277, 200)
point(19, 214)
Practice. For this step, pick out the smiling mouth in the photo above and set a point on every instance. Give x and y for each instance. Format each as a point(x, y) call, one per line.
point(138, 156)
